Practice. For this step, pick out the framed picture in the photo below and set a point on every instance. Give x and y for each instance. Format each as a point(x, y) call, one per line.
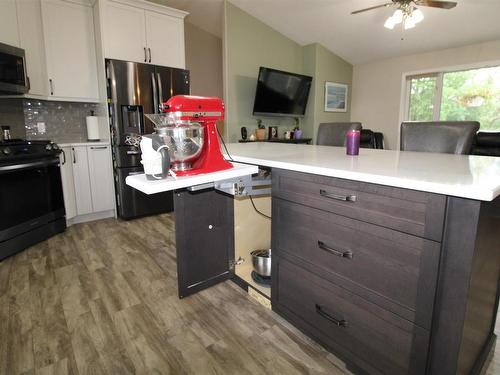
point(336, 97)
point(273, 132)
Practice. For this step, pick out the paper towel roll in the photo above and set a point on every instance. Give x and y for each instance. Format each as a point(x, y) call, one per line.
point(92, 128)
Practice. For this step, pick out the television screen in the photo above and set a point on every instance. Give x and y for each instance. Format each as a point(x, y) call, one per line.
point(281, 93)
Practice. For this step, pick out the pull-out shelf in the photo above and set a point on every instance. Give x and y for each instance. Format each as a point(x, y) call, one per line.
point(141, 183)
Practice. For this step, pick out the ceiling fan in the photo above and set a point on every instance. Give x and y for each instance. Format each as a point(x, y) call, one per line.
point(407, 12)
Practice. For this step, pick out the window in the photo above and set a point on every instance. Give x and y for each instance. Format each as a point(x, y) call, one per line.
point(456, 96)
point(422, 98)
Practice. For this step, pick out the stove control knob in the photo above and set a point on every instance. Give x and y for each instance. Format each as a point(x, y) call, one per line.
point(48, 147)
point(6, 151)
point(55, 146)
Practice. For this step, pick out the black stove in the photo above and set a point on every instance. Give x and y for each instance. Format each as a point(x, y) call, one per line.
point(31, 196)
point(19, 149)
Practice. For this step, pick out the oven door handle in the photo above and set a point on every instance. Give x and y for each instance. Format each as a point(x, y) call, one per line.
point(35, 164)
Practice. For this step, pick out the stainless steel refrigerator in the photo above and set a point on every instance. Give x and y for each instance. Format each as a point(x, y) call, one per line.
point(134, 90)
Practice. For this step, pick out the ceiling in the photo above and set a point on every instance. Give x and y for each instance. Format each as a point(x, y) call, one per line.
point(362, 38)
point(357, 38)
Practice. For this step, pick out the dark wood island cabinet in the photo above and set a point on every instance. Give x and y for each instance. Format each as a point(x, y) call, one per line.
point(392, 280)
point(390, 259)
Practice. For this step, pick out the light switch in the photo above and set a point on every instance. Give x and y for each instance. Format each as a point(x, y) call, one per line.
point(41, 127)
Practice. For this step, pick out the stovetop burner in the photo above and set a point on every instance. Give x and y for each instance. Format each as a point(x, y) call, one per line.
point(20, 149)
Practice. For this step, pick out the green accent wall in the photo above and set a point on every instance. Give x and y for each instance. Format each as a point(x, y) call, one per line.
point(325, 66)
point(249, 44)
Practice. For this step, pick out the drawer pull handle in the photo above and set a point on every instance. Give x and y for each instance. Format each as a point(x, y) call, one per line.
point(343, 254)
point(337, 322)
point(344, 198)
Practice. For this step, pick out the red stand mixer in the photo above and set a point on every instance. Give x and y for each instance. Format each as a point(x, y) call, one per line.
point(186, 137)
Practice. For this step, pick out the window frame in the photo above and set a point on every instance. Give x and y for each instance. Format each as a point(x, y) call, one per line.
point(404, 111)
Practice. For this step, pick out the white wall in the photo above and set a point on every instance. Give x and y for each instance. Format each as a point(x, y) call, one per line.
point(377, 86)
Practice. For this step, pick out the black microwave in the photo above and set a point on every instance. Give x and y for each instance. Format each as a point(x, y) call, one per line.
point(13, 78)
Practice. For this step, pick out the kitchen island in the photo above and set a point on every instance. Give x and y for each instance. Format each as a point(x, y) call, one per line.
point(390, 259)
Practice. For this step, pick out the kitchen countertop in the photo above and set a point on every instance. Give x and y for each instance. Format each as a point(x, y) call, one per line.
point(473, 177)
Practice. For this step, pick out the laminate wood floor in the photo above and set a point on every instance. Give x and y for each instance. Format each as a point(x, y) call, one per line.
point(101, 298)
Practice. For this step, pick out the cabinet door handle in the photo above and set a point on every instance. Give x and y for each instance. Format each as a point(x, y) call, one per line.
point(343, 254)
point(51, 87)
point(98, 147)
point(74, 155)
point(337, 322)
point(149, 49)
point(64, 157)
point(344, 198)
point(145, 55)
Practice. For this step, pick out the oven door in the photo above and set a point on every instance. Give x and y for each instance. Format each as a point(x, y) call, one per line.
point(30, 196)
point(13, 78)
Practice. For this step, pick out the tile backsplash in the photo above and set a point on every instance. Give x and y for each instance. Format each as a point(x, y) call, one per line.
point(11, 114)
point(64, 121)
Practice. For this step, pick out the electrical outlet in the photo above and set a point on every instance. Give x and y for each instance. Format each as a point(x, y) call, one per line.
point(41, 127)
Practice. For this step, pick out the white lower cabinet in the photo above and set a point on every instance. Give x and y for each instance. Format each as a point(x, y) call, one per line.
point(68, 182)
point(81, 177)
point(87, 178)
point(101, 178)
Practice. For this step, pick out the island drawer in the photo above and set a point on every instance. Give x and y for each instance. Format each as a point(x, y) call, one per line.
point(352, 326)
point(395, 270)
point(409, 211)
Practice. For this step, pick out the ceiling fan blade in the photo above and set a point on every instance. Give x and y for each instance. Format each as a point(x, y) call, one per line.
point(437, 4)
point(375, 7)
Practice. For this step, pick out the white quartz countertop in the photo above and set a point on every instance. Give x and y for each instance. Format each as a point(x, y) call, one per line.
point(474, 177)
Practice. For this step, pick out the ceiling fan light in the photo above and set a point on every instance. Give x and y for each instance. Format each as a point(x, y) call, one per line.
point(389, 23)
point(409, 23)
point(398, 16)
point(417, 16)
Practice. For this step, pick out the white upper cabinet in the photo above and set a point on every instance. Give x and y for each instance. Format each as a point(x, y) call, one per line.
point(165, 39)
point(9, 33)
point(70, 50)
point(31, 40)
point(125, 32)
point(143, 32)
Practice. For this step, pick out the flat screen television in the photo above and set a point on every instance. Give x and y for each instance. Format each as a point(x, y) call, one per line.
point(281, 93)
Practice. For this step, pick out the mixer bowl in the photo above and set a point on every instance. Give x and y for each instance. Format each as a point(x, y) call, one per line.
point(184, 140)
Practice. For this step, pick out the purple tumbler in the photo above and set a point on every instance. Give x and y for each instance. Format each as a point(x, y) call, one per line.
point(352, 142)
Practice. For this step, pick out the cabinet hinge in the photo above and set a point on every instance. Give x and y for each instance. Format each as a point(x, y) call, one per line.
point(233, 263)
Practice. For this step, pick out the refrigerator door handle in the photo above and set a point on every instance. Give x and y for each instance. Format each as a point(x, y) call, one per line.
point(160, 93)
point(155, 93)
point(114, 95)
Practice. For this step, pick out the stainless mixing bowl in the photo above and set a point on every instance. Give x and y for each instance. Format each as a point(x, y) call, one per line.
point(261, 261)
point(184, 140)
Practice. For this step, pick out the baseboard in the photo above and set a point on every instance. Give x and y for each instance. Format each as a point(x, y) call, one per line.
point(90, 217)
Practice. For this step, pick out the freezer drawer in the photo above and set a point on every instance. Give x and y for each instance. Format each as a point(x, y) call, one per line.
point(133, 203)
